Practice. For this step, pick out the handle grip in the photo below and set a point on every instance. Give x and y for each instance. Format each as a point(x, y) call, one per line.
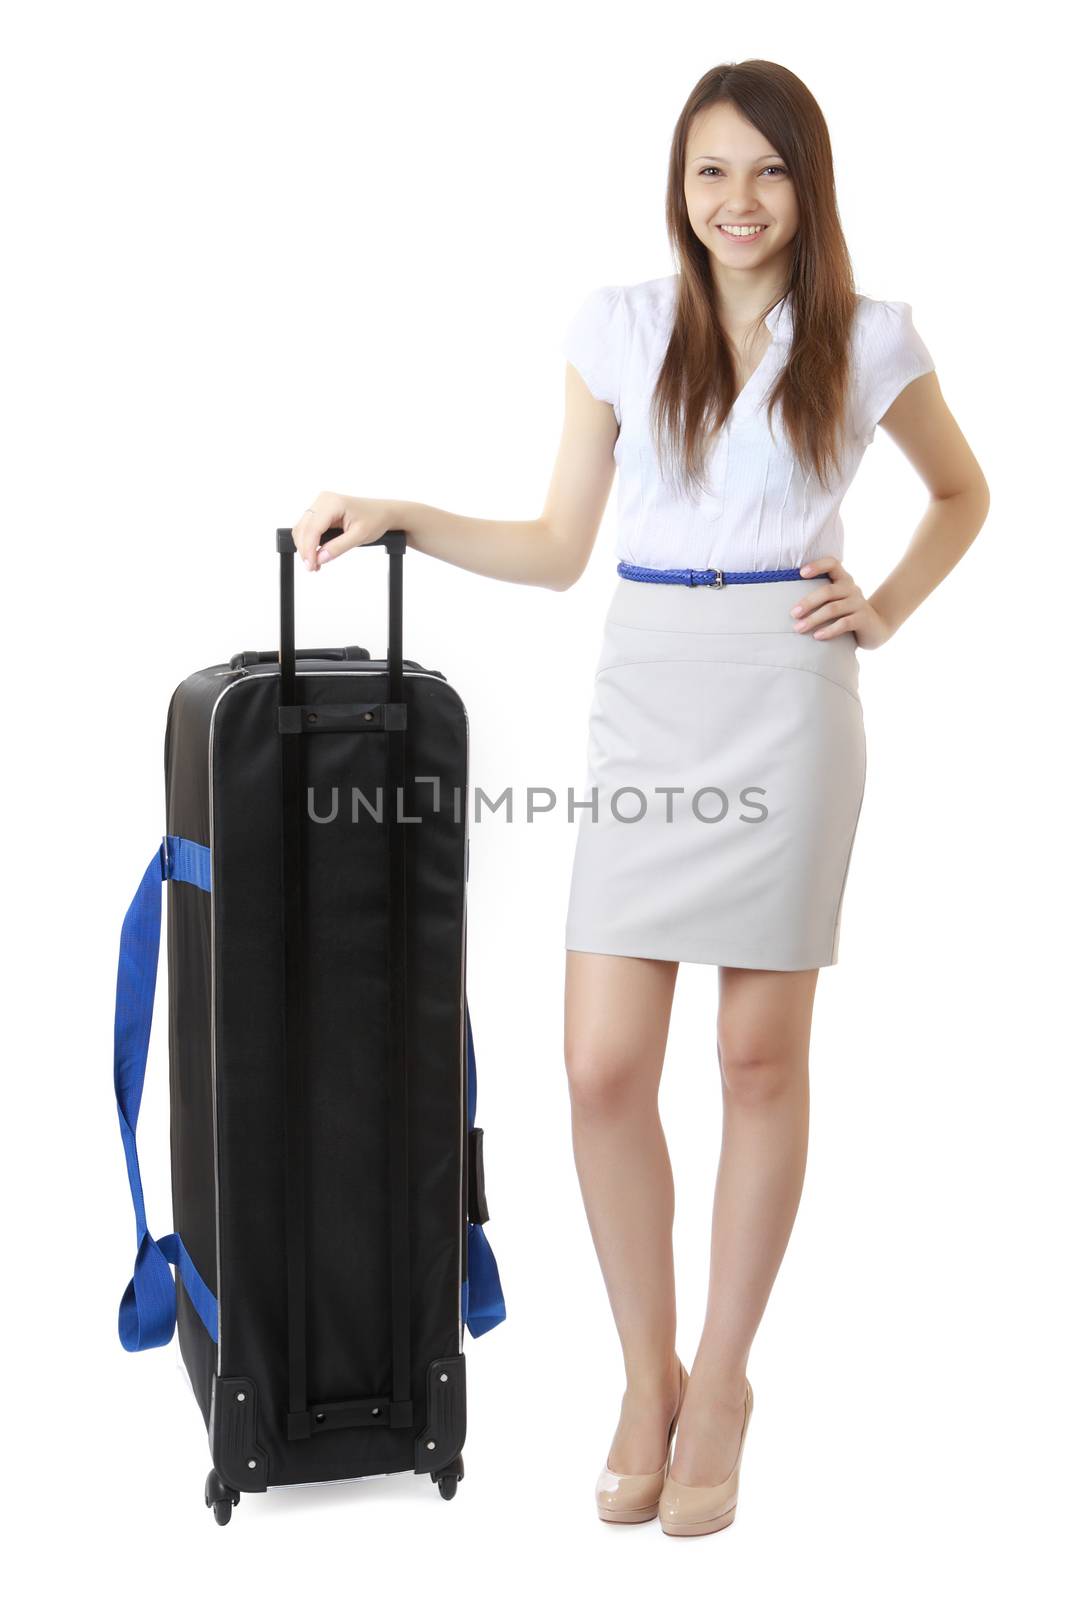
point(391, 539)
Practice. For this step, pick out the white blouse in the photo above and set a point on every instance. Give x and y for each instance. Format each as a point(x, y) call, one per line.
point(761, 508)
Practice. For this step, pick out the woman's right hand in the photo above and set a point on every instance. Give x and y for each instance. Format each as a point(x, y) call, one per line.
point(361, 521)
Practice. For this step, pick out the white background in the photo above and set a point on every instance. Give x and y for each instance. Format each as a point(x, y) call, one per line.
point(257, 251)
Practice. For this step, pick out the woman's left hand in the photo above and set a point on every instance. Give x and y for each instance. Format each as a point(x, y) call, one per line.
point(838, 607)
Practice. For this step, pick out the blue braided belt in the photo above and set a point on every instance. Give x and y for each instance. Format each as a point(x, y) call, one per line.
point(695, 575)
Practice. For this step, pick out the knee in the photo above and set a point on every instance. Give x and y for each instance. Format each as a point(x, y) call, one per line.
point(754, 1071)
point(601, 1079)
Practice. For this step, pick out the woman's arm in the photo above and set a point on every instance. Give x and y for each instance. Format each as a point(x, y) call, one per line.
point(920, 422)
point(551, 551)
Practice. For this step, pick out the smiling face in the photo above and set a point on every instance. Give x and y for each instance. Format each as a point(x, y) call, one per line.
point(735, 180)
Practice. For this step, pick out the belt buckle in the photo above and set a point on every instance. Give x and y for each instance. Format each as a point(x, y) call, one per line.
point(720, 577)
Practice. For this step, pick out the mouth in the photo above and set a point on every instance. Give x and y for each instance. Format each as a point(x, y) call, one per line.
point(744, 236)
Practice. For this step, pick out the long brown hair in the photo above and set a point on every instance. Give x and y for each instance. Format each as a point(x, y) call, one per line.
point(697, 383)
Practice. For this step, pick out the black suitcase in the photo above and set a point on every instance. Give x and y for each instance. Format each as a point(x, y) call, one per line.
point(326, 1173)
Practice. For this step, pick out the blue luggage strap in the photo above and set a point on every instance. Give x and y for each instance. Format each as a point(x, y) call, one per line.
point(482, 1298)
point(148, 1310)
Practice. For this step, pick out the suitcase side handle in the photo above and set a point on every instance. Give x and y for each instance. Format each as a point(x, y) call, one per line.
point(262, 658)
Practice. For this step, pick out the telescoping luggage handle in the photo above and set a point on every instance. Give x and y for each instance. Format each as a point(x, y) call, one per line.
point(394, 541)
point(395, 1410)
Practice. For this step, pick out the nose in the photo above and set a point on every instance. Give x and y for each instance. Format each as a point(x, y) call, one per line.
point(739, 202)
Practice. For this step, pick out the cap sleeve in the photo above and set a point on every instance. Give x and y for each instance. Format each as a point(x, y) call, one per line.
point(894, 355)
point(593, 343)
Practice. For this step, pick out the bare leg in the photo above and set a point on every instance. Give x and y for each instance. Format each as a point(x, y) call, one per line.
point(764, 1031)
point(617, 1013)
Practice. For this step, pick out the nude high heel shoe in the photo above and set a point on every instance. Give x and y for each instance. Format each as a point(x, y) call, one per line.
point(700, 1508)
point(634, 1496)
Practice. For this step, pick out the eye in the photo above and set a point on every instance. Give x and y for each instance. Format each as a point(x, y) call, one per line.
point(771, 167)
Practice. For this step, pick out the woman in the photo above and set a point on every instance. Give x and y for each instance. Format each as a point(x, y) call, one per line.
point(737, 398)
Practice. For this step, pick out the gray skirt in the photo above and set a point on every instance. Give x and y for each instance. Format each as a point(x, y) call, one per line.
point(726, 767)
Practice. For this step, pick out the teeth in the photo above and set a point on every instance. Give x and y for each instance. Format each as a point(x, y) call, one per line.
point(742, 233)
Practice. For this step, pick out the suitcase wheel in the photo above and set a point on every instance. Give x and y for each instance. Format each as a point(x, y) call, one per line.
point(220, 1497)
point(447, 1478)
